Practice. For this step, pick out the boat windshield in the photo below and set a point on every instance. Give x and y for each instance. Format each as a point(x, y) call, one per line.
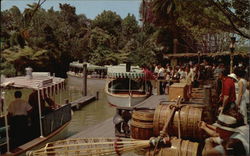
point(126, 85)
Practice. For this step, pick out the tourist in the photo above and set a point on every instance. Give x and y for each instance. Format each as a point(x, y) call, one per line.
point(189, 80)
point(156, 70)
point(228, 95)
point(241, 95)
point(148, 77)
point(176, 74)
point(168, 83)
point(18, 112)
point(182, 73)
point(228, 135)
point(218, 70)
point(161, 76)
point(196, 76)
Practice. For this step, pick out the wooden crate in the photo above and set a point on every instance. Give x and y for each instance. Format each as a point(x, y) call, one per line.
point(178, 89)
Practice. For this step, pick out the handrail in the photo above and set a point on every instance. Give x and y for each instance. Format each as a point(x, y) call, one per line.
point(139, 90)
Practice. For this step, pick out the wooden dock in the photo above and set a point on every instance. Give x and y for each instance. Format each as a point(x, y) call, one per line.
point(77, 104)
point(107, 128)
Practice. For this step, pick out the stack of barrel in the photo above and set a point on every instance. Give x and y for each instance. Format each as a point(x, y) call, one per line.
point(148, 123)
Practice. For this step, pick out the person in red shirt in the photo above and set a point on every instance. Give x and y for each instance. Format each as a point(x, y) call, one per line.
point(148, 77)
point(228, 95)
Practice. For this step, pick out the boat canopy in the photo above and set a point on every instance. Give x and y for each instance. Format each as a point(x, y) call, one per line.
point(89, 66)
point(132, 75)
point(48, 85)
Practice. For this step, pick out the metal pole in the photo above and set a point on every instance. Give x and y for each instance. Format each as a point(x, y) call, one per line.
point(129, 102)
point(84, 87)
point(40, 113)
point(6, 124)
point(231, 62)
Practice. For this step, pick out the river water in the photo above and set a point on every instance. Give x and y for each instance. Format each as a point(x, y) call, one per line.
point(92, 113)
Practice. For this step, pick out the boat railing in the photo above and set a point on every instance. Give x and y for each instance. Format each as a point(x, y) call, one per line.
point(56, 119)
point(111, 90)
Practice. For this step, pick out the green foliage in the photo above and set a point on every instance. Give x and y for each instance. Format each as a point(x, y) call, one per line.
point(129, 26)
point(48, 40)
point(108, 21)
point(7, 69)
point(24, 57)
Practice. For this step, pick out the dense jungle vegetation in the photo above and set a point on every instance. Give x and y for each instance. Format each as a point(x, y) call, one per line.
point(48, 40)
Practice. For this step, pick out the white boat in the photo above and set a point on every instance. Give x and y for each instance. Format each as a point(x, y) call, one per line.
point(93, 71)
point(125, 88)
point(50, 124)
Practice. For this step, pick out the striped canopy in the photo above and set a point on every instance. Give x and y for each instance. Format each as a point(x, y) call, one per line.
point(46, 85)
point(89, 66)
point(132, 75)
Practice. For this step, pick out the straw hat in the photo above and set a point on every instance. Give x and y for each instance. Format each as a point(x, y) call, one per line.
point(227, 122)
point(232, 75)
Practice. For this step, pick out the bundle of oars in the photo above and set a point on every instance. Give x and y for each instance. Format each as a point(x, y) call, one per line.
point(96, 146)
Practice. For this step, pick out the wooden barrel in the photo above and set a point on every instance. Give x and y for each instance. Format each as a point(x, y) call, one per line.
point(141, 125)
point(189, 119)
point(178, 147)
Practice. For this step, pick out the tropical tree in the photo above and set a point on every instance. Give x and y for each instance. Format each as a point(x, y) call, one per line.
point(108, 21)
point(199, 20)
point(130, 27)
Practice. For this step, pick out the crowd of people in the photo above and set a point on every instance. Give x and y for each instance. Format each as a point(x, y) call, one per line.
point(229, 135)
point(191, 74)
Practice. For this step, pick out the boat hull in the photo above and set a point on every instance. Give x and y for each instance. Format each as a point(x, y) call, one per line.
point(51, 128)
point(124, 101)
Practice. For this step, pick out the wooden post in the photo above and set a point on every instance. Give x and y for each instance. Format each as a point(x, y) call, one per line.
point(158, 87)
point(97, 95)
point(84, 85)
point(207, 92)
point(175, 45)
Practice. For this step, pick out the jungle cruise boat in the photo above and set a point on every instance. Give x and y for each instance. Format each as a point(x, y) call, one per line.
point(125, 85)
point(93, 71)
point(50, 123)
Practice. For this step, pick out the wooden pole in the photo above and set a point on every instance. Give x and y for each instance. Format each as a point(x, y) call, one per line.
point(84, 87)
point(175, 45)
point(207, 92)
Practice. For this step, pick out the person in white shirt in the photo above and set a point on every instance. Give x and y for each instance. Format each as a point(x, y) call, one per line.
point(241, 95)
point(161, 76)
point(18, 111)
point(189, 79)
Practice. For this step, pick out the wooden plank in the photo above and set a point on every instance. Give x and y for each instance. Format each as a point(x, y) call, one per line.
point(103, 129)
point(152, 101)
point(82, 101)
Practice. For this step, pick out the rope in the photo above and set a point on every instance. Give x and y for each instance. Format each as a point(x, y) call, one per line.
point(163, 132)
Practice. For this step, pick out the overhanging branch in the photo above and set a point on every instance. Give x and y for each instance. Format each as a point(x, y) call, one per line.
point(229, 19)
